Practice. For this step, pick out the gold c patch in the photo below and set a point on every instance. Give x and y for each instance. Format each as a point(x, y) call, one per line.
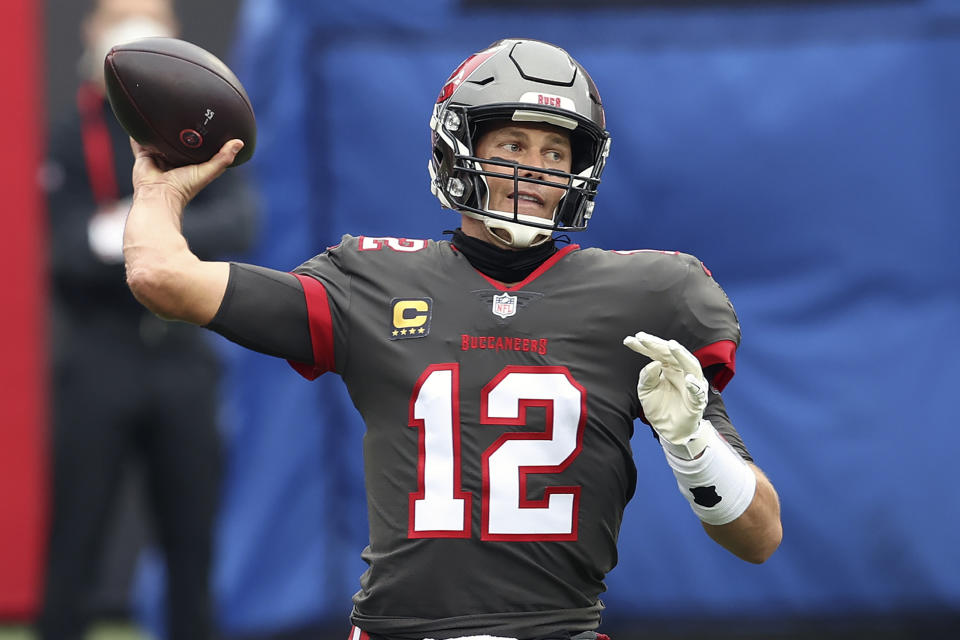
point(410, 317)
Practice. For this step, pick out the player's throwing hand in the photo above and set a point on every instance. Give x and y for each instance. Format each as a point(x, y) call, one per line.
point(183, 183)
point(672, 388)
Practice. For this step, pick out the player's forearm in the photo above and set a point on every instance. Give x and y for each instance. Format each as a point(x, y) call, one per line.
point(756, 533)
point(162, 272)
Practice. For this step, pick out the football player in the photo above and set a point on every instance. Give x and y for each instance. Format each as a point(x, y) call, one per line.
point(498, 374)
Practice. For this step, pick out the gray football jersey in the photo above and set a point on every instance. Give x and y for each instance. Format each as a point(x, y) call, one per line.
point(498, 421)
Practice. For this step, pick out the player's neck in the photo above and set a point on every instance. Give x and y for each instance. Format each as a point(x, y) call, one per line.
point(508, 266)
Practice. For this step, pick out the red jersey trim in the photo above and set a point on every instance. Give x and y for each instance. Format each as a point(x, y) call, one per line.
point(358, 634)
point(724, 353)
point(321, 329)
point(539, 271)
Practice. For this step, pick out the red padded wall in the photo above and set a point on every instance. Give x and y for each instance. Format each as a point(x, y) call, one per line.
point(23, 314)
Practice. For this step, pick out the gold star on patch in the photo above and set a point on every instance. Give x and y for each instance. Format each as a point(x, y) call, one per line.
point(403, 332)
point(396, 333)
point(420, 330)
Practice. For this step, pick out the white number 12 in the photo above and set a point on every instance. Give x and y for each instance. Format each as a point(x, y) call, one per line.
point(441, 509)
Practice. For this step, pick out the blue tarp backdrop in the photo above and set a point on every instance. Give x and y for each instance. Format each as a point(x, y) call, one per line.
point(808, 155)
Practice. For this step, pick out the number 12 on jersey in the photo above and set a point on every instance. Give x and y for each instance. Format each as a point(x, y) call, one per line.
point(442, 509)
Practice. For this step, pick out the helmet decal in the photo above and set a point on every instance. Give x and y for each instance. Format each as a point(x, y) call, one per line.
point(463, 72)
point(548, 99)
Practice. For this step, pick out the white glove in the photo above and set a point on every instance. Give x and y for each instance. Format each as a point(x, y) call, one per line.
point(672, 389)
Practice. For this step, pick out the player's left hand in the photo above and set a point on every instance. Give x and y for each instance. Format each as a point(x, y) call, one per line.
point(672, 389)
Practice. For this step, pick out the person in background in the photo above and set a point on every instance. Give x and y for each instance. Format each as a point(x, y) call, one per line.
point(127, 386)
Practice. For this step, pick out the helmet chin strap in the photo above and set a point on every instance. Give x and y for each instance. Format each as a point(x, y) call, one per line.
point(514, 235)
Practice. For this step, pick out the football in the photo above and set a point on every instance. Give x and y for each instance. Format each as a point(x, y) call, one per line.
point(178, 100)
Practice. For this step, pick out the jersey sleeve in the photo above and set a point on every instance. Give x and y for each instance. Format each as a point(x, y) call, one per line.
point(326, 286)
point(320, 323)
point(264, 310)
point(295, 316)
point(706, 322)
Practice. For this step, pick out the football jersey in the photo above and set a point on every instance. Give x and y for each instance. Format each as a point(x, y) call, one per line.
point(497, 452)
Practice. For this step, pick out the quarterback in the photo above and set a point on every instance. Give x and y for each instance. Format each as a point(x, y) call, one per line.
point(498, 374)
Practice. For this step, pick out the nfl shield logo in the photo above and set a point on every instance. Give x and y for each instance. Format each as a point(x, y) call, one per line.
point(504, 305)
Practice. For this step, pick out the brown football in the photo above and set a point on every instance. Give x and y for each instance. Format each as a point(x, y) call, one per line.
point(178, 99)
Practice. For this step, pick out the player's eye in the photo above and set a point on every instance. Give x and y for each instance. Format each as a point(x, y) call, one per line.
point(554, 156)
point(512, 147)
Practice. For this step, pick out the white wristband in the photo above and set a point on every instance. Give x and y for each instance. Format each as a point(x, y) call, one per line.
point(719, 485)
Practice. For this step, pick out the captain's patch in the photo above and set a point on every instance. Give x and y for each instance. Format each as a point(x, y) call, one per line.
point(410, 317)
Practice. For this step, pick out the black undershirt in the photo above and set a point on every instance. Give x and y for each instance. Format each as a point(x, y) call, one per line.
point(504, 265)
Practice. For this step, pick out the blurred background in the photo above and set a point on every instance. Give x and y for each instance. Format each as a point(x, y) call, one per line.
point(807, 152)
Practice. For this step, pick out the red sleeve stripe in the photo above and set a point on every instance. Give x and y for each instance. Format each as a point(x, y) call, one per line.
point(357, 634)
point(321, 329)
point(723, 352)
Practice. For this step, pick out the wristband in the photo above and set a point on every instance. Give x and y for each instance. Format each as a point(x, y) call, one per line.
point(719, 484)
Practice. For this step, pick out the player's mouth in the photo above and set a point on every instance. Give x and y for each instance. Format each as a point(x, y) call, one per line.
point(527, 201)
